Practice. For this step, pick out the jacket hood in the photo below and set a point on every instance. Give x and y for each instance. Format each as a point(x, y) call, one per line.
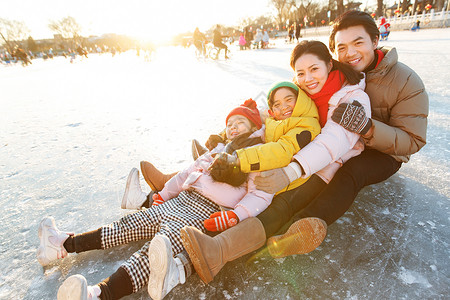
point(389, 60)
point(303, 104)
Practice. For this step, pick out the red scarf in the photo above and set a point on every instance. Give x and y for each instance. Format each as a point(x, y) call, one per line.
point(380, 57)
point(333, 84)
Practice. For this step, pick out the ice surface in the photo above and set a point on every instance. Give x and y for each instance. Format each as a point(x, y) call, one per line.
point(70, 133)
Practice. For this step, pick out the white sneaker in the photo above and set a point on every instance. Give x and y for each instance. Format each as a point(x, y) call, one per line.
point(75, 288)
point(165, 271)
point(134, 197)
point(51, 242)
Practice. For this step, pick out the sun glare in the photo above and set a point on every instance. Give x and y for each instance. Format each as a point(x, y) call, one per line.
point(153, 20)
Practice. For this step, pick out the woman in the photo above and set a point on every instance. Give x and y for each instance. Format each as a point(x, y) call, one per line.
point(328, 83)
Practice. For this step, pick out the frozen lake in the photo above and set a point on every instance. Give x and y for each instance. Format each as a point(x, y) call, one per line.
point(70, 133)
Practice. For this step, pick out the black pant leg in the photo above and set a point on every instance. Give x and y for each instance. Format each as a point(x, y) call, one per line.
point(370, 167)
point(286, 204)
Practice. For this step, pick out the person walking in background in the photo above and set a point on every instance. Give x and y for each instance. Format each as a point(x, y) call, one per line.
point(384, 29)
point(200, 41)
point(217, 41)
point(416, 26)
point(298, 28)
point(265, 39)
point(258, 39)
point(248, 35)
point(242, 41)
point(291, 33)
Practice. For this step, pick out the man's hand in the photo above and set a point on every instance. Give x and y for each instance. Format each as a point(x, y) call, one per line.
point(272, 181)
point(221, 220)
point(352, 117)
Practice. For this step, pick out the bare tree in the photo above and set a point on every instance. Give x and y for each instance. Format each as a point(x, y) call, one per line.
point(280, 6)
point(380, 8)
point(439, 5)
point(67, 27)
point(340, 7)
point(303, 8)
point(405, 6)
point(13, 31)
point(415, 6)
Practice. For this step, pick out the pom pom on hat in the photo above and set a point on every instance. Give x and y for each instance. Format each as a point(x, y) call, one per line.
point(249, 110)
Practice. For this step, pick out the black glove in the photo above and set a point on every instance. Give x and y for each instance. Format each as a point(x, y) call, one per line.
point(352, 117)
point(213, 141)
point(242, 141)
point(224, 168)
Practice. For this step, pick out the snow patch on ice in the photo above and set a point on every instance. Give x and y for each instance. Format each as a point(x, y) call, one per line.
point(432, 224)
point(410, 277)
point(370, 229)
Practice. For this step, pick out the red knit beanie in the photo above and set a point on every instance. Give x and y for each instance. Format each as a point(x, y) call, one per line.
point(249, 110)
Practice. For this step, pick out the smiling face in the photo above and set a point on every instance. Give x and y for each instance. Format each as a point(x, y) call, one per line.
point(311, 72)
point(355, 48)
point(283, 105)
point(237, 125)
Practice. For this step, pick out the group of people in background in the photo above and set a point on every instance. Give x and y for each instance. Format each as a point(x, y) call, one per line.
point(294, 32)
point(249, 41)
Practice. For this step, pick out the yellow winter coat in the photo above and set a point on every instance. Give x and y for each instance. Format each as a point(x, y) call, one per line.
point(281, 139)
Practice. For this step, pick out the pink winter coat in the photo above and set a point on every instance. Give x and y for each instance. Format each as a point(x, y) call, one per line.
point(334, 145)
point(246, 201)
point(242, 40)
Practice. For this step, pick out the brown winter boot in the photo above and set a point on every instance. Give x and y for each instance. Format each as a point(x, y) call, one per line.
point(302, 237)
point(154, 177)
point(197, 149)
point(210, 254)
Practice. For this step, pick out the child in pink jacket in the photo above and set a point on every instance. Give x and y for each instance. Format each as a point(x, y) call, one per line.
point(194, 197)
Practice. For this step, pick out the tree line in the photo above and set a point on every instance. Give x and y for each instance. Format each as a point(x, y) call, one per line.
point(286, 12)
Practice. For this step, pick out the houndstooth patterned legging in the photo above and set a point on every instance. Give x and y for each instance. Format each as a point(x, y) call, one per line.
point(188, 209)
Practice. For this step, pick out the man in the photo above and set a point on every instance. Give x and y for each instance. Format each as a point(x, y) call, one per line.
point(217, 41)
point(396, 130)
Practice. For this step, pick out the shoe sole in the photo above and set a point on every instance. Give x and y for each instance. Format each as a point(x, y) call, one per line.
point(73, 288)
point(159, 262)
point(127, 188)
point(147, 179)
point(42, 259)
point(192, 248)
point(302, 237)
point(197, 149)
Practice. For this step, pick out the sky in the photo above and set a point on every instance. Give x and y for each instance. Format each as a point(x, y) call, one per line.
point(157, 19)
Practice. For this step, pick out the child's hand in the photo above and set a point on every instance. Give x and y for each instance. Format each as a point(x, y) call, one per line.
point(221, 220)
point(225, 168)
point(157, 200)
point(213, 141)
